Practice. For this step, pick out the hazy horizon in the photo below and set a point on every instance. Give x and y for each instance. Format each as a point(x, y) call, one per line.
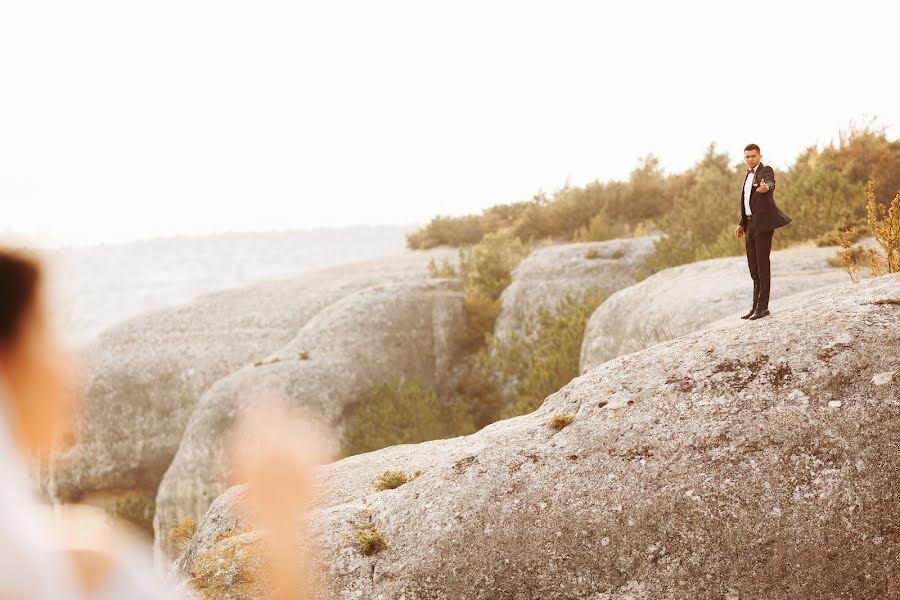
point(122, 122)
point(48, 242)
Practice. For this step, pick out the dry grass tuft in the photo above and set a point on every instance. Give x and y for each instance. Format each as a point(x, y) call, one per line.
point(182, 533)
point(560, 422)
point(390, 480)
point(846, 257)
point(369, 540)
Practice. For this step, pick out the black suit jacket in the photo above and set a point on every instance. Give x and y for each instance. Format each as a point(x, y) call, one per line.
point(766, 214)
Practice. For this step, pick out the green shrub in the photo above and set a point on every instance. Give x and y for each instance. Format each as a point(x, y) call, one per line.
point(702, 216)
point(596, 211)
point(137, 509)
point(822, 190)
point(598, 229)
point(548, 356)
point(402, 412)
point(513, 377)
point(485, 270)
point(451, 231)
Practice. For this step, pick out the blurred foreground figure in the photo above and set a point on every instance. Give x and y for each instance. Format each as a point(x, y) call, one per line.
point(73, 558)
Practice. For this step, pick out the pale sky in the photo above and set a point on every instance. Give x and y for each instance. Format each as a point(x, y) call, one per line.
point(121, 120)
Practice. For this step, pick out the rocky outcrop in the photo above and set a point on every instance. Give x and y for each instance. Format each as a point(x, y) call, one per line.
point(144, 377)
point(334, 362)
point(545, 277)
point(757, 460)
point(687, 298)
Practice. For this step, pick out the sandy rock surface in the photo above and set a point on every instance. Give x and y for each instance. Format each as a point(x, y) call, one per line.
point(716, 465)
point(548, 274)
point(143, 378)
point(333, 363)
point(689, 297)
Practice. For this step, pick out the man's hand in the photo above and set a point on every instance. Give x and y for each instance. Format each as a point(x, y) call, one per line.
point(763, 188)
point(739, 232)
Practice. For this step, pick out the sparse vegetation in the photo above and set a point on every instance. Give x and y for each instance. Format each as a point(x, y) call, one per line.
point(502, 379)
point(560, 422)
point(846, 257)
point(650, 336)
point(217, 574)
point(594, 253)
point(402, 412)
point(595, 212)
point(547, 356)
point(137, 509)
point(598, 229)
point(369, 540)
point(390, 480)
point(182, 532)
point(442, 270)
point(884, 225)
point(696, 210)
point(485, 270)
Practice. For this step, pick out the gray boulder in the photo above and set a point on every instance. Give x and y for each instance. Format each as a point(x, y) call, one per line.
point(142, 378)
point(757, 460)
point(545, 277)
point(333, 363)
point(689, 297)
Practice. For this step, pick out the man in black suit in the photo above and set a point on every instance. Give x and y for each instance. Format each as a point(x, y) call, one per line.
point(760, 217)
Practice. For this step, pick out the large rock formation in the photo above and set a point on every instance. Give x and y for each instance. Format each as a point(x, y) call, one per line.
point(549, 273)
point(757, 460)
point(334, 362)
point(687, 298)
point(144, 377)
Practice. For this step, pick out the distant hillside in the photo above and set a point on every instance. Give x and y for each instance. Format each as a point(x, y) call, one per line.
point(94, 287)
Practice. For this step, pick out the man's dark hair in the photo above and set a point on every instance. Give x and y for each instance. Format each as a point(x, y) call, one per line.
point(752, 147)
point(19, 279)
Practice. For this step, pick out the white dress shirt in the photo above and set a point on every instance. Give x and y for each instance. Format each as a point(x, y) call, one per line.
point(748, 187)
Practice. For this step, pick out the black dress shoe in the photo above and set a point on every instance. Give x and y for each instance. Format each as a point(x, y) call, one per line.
point(749, 314)
point(759, 314)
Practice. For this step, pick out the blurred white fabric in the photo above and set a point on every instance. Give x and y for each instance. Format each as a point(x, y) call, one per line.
point(33, 560)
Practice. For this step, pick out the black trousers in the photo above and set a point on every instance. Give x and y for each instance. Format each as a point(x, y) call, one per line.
point(759, 245)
